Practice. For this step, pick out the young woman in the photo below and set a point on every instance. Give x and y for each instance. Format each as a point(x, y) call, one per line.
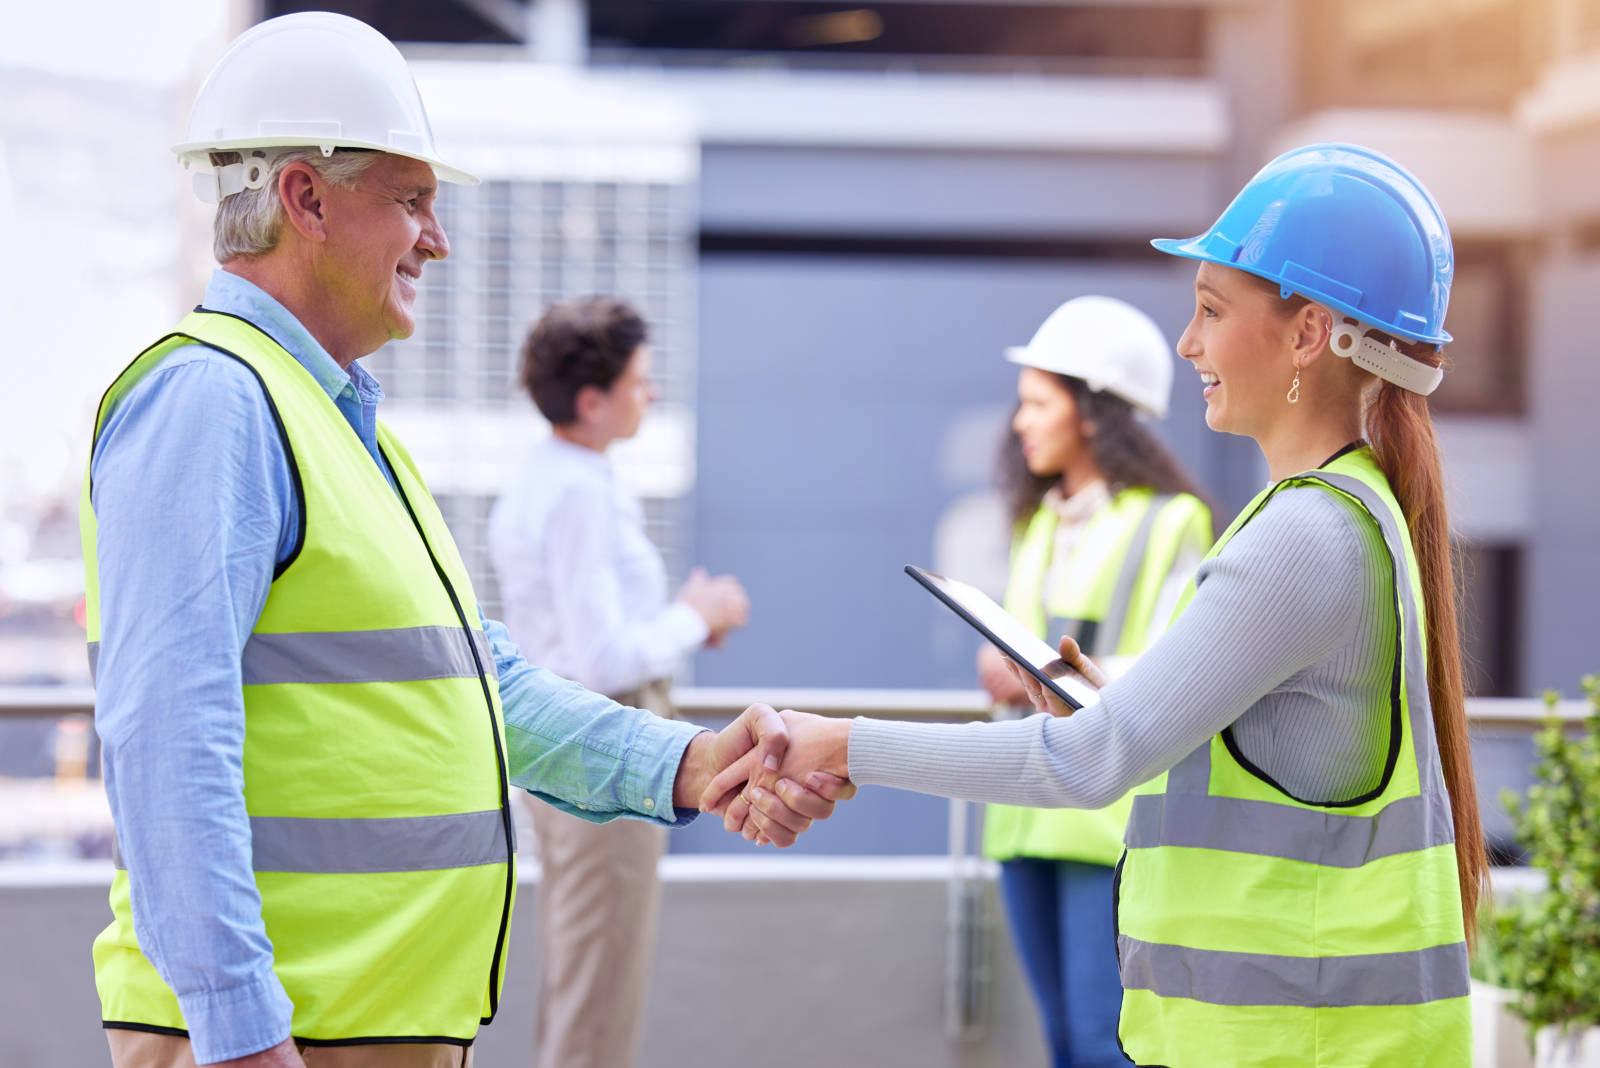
point(1304, 856)
point(1109, 529)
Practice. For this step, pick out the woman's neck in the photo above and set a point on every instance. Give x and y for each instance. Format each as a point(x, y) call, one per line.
point(1080, 472)
point(1306, 443)
point(580, 434)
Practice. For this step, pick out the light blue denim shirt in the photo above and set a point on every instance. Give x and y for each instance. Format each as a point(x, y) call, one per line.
point(195, 505)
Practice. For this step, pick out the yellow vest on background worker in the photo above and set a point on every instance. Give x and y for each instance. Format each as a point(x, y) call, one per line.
point(1255, 929)
point(374, 768)
point(1104, 598)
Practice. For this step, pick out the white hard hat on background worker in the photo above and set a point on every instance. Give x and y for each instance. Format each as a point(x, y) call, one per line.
point(1108, 343)
point(313, 79)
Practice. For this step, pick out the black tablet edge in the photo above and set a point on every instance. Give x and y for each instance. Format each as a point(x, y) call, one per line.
point(978, 625)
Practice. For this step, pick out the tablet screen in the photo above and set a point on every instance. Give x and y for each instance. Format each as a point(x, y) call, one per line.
point(1009, 635)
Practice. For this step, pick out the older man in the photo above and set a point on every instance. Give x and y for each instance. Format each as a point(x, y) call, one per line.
point(308, 726)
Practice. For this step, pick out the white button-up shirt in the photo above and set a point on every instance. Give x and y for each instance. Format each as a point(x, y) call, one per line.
point(584, 590)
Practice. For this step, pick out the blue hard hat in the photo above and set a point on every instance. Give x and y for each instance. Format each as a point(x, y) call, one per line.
point(1348, 228)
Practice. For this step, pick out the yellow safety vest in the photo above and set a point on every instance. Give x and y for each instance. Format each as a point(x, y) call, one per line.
point(1258, 929)
point(374, 767)
point(1105, 600)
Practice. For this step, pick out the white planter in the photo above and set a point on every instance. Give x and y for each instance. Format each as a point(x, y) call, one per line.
point(1579, 1049)
point(1499, 1039)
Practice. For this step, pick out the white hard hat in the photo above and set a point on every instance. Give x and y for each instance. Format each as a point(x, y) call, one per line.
point(310, 79)
point(1108, 343)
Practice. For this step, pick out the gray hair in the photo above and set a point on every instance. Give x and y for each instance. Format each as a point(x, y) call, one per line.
point(248, 222)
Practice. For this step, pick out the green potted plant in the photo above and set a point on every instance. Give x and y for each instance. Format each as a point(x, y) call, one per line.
point(1547, 946)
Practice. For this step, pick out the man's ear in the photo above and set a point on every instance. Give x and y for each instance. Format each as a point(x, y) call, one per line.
point(587, 404)
point(303, 192)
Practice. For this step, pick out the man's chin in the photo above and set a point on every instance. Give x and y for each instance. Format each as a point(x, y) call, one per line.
point(402, 322)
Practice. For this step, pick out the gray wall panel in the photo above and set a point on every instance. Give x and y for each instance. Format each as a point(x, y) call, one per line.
point(1563, 578)
point(889, 191)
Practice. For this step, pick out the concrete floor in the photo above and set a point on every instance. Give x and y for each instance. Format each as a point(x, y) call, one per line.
point(772, 960)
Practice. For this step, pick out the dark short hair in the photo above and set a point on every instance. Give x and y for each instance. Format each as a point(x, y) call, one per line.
point(585, 343)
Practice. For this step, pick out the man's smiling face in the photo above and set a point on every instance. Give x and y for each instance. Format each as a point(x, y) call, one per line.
point(379, 235)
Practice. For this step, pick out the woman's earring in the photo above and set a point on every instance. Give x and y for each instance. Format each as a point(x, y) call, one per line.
point(1294, 390)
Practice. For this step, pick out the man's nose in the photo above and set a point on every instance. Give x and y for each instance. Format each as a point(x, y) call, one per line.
point(432, 240)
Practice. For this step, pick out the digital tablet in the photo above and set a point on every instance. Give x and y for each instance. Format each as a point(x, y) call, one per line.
point(1009, 636)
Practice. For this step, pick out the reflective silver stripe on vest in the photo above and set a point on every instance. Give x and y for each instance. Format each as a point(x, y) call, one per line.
point(355, 846)
point(94, 659)
point(1109, 634)
point(1217, 977)
point(409, 654)
point(1269, 829)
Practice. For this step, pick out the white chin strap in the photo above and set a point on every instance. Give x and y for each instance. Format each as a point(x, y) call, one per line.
point(1387, 363)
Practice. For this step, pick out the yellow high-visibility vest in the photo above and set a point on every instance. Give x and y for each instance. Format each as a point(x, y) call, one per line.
point(1256, 929)
point(1105, 599)
point(374, 766)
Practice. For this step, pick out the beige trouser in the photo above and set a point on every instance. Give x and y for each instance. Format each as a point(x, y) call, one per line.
point(599, 899)
point(138, 1049)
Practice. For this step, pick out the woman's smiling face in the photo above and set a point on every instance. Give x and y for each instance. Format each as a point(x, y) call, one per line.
point(1241, 349)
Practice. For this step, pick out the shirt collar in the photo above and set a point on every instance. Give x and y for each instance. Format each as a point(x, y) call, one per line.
point(227, 292)
point(581, 454)
point(1081, 505)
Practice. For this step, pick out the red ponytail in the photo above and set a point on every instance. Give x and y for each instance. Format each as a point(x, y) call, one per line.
point(1400, 430)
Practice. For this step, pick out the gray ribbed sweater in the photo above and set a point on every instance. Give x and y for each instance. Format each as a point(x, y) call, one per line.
point(1289, 638)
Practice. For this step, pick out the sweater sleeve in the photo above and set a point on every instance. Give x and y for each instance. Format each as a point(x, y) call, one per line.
point(1284, 594)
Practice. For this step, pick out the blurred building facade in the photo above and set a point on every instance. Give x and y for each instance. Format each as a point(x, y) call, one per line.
point(886, 196)
point(836, 217)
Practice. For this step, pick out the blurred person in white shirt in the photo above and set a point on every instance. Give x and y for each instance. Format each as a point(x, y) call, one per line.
point(585, 595)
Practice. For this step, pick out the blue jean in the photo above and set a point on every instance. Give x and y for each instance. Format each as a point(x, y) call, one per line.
point(1060, 913)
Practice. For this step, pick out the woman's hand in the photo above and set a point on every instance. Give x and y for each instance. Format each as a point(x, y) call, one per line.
point(997, 679)
point(721, 602)
point(1045, 700)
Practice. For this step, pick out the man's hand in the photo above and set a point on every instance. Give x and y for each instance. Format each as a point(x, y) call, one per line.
point(754, 743)
point(759, 736)
point(813, 776)
point(284, 1055)
point(1044, 700)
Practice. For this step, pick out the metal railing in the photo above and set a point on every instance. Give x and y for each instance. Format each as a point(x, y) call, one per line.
point(969, 923)
point(714, 702)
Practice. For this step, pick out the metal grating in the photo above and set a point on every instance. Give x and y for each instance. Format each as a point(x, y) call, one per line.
point(517, 247)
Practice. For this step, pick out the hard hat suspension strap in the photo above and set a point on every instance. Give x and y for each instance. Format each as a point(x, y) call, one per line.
point(1350, 341)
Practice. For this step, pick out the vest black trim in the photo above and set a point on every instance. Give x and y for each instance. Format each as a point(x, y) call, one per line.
point(1392, 758)
point(149, 1029)
point(378, 1040)
point(277, 420)
point(499, 749)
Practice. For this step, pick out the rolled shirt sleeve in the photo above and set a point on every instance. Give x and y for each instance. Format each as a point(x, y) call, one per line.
point(585, 753)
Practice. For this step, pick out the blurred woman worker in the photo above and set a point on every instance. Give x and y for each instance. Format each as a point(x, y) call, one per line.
point(1304, 856)
point(1109, 529)
point(585, 596)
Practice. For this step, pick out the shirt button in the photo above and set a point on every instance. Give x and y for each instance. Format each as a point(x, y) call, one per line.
point(650, 802)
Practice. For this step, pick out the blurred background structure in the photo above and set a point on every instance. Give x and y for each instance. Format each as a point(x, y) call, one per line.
point(835, 216)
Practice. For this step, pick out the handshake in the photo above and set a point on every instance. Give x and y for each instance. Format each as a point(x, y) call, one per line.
point(769, 775)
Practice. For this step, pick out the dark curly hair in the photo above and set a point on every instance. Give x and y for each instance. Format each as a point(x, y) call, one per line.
point(585, 343)
point(1126, 453)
